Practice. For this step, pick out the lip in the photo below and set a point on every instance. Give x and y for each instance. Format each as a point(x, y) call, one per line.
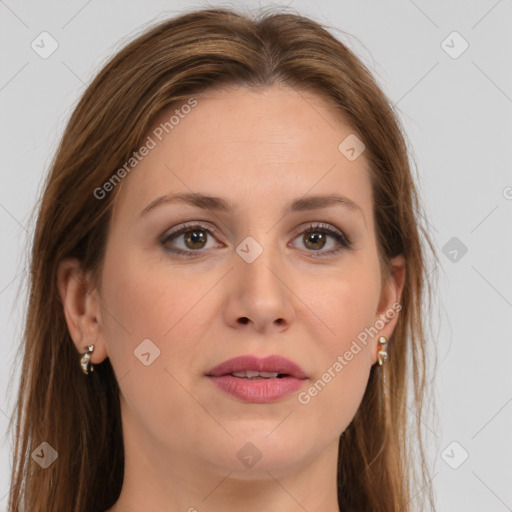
point(273, 363)
point(258, 391)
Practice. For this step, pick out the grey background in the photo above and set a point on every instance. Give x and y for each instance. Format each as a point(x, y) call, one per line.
point(457, 115)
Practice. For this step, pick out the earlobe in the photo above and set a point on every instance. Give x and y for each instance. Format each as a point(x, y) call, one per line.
point(389, 305)
point(81, 309)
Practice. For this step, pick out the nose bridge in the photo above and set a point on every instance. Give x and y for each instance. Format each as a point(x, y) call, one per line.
point(260, 293)
point(258, 268)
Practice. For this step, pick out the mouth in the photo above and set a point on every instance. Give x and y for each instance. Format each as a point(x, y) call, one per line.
point(250, 367)
point(254, 375)
point(258, 380)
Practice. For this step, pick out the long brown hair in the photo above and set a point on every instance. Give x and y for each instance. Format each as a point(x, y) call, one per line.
point(80, 417)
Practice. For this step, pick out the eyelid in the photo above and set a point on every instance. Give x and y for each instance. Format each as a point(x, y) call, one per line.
point(309, 226)
point(189, 226)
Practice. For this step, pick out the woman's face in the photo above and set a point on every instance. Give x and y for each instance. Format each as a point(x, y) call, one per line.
point(267, 272)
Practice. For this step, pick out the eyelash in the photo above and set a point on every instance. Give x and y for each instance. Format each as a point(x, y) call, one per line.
point(343, 240)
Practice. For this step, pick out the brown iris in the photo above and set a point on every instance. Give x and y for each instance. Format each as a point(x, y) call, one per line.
point(311, 238)
point(195, 239)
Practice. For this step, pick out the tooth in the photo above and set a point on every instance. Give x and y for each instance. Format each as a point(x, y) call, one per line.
point(271, 375)
point(251, 374)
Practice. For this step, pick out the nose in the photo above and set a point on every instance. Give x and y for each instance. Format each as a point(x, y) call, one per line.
point(259, 296)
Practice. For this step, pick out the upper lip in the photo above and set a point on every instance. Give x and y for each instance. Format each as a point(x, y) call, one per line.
point(273, 363)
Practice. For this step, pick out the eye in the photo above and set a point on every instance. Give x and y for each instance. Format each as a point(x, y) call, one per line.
point(316, 237)
point(189, 238)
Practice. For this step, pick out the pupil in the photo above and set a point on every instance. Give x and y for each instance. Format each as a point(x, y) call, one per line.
point(315, 238)
point(195, 237)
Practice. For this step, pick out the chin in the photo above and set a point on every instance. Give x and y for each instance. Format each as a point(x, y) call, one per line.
point(253, 455)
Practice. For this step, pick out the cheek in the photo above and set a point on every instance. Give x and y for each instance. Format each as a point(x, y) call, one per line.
point(347, 304)
point(148, 301)
point(159, 304)
point(348, 308)
point(148, 298)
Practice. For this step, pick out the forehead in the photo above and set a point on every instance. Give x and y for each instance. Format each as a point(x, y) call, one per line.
point(253, 146)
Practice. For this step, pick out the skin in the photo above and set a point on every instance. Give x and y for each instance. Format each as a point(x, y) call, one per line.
point(259, 149)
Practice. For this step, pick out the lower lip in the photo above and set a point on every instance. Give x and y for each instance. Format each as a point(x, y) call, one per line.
point(260, 391)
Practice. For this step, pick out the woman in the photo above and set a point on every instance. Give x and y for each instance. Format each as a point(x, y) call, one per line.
point(226, 283)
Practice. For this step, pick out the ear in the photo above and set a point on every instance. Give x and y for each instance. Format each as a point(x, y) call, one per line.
point(81, 308)
point(389, 302)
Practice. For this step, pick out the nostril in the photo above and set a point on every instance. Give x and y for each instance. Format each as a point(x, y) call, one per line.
point(244, 320)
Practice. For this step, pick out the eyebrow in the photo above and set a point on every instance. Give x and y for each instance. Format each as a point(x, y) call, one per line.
point(222, 205)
